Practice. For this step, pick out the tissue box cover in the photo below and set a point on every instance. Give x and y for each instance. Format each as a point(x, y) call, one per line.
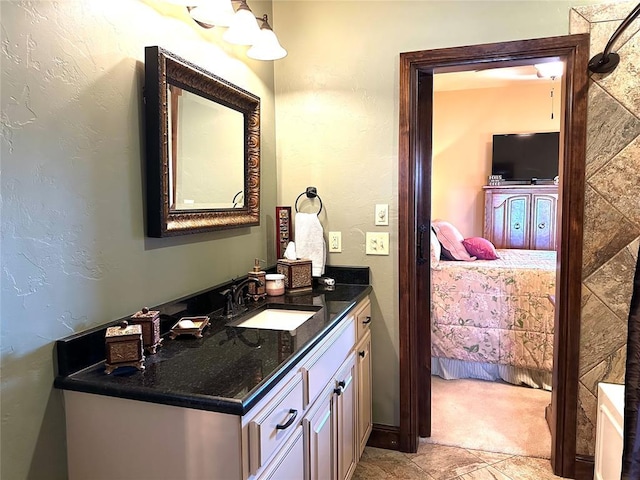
point(297, 274)
point(123, 347)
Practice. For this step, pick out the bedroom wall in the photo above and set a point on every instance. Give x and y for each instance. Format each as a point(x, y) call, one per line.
point(74, 251)
point(464, 122)
point(612, 211)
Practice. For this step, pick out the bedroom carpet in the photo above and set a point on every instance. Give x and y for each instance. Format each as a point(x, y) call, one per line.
point(490, 416)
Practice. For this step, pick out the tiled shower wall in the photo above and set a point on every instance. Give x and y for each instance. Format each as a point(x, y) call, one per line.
point(612, 209)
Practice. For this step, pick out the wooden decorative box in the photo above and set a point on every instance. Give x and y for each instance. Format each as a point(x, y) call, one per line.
point(123, 345)
point(297, 274)
point(149, 320)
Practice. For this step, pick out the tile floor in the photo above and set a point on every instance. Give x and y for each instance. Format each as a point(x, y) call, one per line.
point(440, 462)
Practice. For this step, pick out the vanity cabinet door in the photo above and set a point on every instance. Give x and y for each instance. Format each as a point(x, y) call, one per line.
point(289, 463)
point(320, 438)
point(346, 418)
point(331, 426)
point(365, 418)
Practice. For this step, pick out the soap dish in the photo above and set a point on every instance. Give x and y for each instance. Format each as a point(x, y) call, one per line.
point(189, 326)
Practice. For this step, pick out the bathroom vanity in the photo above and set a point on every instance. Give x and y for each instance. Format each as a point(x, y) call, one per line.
point(238, 403)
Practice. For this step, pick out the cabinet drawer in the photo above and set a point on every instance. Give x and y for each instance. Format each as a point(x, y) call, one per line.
point(363, 318)
point(323, 366)
point(273, 425)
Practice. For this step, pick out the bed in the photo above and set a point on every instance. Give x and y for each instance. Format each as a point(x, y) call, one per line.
point(493, 319)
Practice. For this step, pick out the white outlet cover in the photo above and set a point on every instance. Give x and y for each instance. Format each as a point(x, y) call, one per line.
point(335, 242)
point(382, 214)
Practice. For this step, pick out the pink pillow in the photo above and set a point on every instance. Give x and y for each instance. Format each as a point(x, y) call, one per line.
point(451, 240)
point(481, 248)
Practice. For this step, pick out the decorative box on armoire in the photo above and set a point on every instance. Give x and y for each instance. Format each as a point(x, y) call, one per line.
point(123, 347)
point(149, 320)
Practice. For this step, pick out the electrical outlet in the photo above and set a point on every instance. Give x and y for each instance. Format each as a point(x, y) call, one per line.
point(377, 243)
point(335, 242)
point(382, 214)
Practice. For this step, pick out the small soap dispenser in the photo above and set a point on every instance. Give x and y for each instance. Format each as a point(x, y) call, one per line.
point(257, 291)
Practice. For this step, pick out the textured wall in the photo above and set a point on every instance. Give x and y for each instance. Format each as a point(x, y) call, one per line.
point(74, 252)
point(337, 120)
point(612, 210)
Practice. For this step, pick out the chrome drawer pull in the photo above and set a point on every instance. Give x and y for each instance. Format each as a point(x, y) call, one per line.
point(294, 413)
point(340, 390)
point(541, 226)
point(367, 321)
point(516, 226)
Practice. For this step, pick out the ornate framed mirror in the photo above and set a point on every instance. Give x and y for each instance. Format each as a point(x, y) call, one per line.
point(203, 149)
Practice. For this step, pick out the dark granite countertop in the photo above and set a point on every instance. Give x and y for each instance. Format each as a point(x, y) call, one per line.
point(228, 370)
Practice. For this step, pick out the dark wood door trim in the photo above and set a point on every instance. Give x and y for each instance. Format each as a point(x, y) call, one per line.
point(415, 151)
point(424, 121)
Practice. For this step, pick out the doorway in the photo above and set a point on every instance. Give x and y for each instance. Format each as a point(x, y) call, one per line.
point(492, 319)
point(415, 151)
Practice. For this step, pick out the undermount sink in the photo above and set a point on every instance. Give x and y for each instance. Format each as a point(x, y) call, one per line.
point(277, 318)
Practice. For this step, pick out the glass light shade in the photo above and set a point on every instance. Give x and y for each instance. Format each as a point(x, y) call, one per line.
point(267, 46)
point(243, 29)
point(213, 12)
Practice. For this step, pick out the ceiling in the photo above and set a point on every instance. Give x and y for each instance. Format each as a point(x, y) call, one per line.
point(490, 78)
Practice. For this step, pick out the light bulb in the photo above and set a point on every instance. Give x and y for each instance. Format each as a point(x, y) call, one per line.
point(215, 13)
point(267, 46)
point(243, 29)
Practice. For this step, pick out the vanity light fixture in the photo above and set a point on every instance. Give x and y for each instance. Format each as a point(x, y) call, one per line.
point(267, 46)
point(211, 13)
point(242, 26)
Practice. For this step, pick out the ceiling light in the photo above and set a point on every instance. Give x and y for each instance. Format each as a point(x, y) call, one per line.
point(550, 69)
point(243, 29)
point(267, 46)
point(212, 13)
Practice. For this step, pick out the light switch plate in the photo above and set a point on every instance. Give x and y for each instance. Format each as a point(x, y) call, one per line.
point(335, 242)
point(382, 214)
point(377, 243)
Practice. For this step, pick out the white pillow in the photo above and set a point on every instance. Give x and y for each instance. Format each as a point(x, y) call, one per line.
point(436, 250)
point(451, 240)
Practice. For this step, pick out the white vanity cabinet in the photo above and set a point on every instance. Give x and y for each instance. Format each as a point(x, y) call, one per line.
point(312, 424)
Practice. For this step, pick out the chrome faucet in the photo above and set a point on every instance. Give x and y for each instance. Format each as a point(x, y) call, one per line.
point(234, 299)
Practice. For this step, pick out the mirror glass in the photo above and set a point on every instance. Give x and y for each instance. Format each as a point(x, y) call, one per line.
point(203, 149)
point(198, 179)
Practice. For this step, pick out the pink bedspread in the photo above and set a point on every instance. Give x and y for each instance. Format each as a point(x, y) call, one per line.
point(495, 311)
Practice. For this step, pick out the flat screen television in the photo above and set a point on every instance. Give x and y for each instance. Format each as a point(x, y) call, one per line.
point(524, 157)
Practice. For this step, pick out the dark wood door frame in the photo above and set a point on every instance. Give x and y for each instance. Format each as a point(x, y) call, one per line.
point(414, 173)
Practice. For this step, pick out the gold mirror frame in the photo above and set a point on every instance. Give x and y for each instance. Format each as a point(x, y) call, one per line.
point(163, 68)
